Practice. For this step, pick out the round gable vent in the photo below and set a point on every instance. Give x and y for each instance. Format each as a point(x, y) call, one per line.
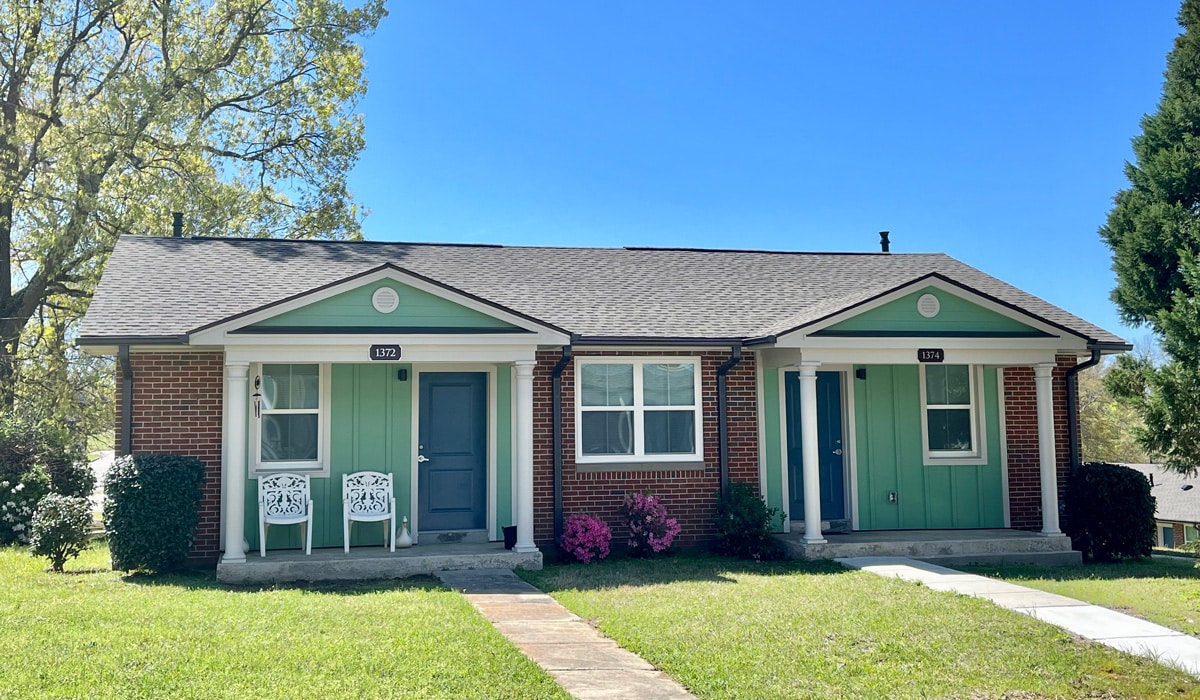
point(928, 305)
point(385, 300)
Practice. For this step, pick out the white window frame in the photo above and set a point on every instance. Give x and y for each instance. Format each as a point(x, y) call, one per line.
point(978, 454)
point(639, 409)
point(318, 467)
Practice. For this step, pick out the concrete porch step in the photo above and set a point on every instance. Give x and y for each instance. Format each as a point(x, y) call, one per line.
point(949, 547)
point(365, 563)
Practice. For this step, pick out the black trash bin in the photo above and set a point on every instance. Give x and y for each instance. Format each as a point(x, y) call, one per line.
point(510, 536)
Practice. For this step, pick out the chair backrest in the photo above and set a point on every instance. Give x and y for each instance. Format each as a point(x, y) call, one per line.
point(367, 493)
point(283, 494)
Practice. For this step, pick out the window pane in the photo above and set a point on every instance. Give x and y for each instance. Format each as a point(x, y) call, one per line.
point(958, 384)
point(669, 385)
point(935, 384)
point(289, 437)
point(290, 386)
point(670, 432)
point(947, 384)
point(607, 385)
point(949, 429)
point(607, 433)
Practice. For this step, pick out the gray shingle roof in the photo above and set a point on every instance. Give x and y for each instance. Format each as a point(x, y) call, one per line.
point(1173, 503)
point(168, 287)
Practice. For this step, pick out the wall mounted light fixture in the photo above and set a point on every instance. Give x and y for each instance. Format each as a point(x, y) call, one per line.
point(257, 395)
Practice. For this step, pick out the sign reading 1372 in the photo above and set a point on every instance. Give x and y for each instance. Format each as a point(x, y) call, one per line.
point(385, 352)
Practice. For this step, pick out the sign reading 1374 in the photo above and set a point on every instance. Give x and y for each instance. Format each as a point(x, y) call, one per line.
point(385, 352)
point(931, 355)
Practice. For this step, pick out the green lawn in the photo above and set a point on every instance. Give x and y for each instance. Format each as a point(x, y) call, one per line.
point(728, 629)
point(97, 634)
point(1166, 591)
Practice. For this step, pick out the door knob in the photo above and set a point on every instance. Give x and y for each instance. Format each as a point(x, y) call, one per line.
point(422, 458)
point(838, 451)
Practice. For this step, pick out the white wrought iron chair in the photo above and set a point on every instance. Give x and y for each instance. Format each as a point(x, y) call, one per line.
point(284, 499)
point(367, 497)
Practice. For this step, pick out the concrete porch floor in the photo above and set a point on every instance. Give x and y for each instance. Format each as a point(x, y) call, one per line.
point(364, 563)
point(946, 547)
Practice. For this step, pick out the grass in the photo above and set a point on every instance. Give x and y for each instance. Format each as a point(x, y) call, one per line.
point(98, 634)
point(1162, 590)
point(728, 629)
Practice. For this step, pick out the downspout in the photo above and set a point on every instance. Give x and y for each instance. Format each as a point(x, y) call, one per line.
point(557, 437)
point(125, 445)
point(722, 429)
point(1073, 407)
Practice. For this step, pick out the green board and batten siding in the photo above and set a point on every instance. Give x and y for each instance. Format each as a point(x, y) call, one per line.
point(416, 309)
point(371, 430)
point(957, 315)
point(772, 447)
point(889, 458)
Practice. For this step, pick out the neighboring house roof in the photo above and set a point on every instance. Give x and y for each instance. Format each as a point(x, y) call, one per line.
point(1173, 502)
point(158, 287)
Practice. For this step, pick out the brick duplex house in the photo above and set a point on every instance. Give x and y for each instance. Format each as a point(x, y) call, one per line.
point(886, 391)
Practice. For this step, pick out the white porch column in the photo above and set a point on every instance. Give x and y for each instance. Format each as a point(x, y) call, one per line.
point(523, 469)
point(810, 457)
point(236, 374)
point(1047, 455)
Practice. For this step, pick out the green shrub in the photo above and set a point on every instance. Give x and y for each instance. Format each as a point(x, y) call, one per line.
point(60, 528)
point(744, 524)
point(1110, 512)
point(35, 459)
point(152, 508)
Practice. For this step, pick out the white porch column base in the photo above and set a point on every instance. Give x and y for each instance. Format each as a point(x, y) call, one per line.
point(1047, 454)
point(810, 457)
point(236, 374)
point(523, 469)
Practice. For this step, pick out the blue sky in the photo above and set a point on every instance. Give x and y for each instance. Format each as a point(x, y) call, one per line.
point(994, 131)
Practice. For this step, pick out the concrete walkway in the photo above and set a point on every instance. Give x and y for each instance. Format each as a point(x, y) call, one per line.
point(1114, 629)
point(584, 662)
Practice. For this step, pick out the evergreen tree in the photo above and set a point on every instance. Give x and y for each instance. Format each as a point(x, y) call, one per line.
point(1154, 233)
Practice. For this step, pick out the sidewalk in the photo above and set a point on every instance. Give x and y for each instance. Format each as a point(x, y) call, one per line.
point(1114, 629)
point(584, 662)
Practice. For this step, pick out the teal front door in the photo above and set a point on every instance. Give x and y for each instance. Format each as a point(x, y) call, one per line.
point(830, 450)
point(452, 451)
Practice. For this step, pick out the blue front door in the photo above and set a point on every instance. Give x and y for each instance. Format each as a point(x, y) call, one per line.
point(452, 451)
point(829, 445)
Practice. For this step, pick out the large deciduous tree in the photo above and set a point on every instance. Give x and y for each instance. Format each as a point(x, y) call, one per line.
point(115, 113)
point(1154, 233)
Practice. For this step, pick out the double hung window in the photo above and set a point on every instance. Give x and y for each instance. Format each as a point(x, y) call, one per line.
point(643, 409)
point(950, 414)
point(289, 426)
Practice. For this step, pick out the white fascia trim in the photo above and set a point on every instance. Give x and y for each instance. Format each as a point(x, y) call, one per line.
point(219, 334)
point(301, 350)
point(1002, 357)
point(796, 338)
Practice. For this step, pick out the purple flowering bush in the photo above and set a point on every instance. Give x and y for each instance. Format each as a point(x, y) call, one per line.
point(650, 530)
point(585, 537)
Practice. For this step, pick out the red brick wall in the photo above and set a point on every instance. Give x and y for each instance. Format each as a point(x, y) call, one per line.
point(177, 409)
point(690, 496)
point(1020, 410)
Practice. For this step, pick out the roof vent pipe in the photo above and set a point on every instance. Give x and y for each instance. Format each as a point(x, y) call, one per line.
point(884, 244)
point(177, 224)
